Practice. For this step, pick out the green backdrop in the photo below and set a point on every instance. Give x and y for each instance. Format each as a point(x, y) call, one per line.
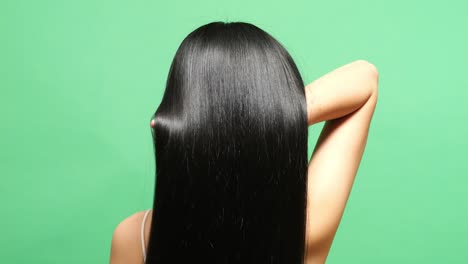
point(80, 80)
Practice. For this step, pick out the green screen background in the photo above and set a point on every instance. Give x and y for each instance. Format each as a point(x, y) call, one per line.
point(81, 79)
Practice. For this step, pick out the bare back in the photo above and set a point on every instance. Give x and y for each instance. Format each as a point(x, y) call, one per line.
point(346, 99)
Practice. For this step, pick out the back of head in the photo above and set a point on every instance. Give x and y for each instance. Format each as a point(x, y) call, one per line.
point(230, 143)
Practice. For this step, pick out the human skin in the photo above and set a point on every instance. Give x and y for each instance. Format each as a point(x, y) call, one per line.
point(346, 99)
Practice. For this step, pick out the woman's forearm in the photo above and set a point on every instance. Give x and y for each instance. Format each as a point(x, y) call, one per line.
point(341, 91)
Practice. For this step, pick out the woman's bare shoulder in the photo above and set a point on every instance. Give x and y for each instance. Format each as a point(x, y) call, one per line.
point(126, 240)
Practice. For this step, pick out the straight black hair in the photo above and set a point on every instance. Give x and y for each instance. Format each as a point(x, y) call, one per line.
point(230, 142)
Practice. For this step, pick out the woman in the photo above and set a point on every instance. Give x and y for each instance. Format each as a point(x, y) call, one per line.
point(233, 180)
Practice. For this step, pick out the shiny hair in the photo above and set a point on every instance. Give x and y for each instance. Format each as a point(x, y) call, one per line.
point(230, 143)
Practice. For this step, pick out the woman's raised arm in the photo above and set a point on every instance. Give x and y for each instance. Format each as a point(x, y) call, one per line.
point(346, 98)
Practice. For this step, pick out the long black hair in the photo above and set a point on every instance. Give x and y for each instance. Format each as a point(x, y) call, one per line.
point(230, 141)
